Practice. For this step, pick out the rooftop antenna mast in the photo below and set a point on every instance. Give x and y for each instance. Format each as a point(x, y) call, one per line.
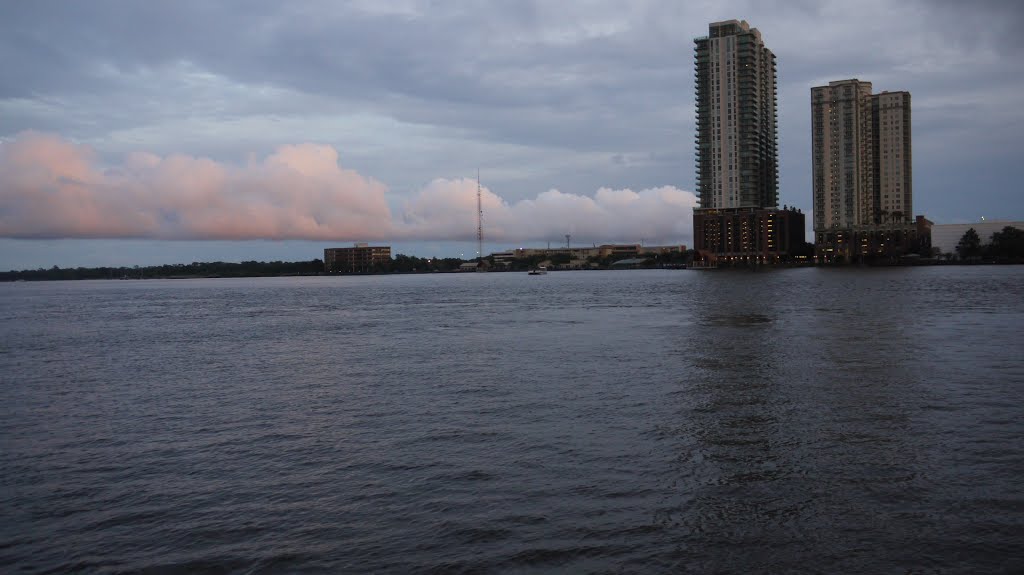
point(479, 220)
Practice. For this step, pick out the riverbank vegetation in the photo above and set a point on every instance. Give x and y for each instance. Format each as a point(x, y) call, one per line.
point(170, 271)
point(1006, 245)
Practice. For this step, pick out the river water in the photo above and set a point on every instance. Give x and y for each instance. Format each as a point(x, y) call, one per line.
point(801, 420)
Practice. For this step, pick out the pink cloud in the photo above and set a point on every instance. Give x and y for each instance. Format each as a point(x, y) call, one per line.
point(52, 188)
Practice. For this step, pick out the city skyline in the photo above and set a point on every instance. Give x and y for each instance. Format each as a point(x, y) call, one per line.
point(578, 118)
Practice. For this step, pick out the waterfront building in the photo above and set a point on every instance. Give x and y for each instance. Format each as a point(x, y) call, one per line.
point(662, 250)
point(504, 258)
point(862, 173)
point(357, 259)
point(887, 241)
point(614, 251)
point(584, 257)
point(736, 144)
point(618, 251)
point(748, 235)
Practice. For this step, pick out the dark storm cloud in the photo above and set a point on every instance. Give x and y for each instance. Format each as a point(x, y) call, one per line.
point(489, 70)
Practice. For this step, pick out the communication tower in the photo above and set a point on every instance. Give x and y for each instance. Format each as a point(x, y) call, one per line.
point(479, 221)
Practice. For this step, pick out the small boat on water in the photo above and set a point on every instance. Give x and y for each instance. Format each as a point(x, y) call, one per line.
point(538, 271)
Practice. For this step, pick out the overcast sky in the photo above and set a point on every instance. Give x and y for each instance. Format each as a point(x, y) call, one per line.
point(164, 132)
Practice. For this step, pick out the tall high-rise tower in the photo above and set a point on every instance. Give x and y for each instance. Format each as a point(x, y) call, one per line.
point(891, 147)
point(843, 170)
point(737, 153)
point(861, 162)
point(738, 221)
point(861, 157)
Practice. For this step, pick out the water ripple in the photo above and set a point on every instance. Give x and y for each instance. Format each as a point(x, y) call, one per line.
point(819, 421)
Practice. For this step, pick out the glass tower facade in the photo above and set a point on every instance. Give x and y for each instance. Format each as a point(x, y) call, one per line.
point(736, 143)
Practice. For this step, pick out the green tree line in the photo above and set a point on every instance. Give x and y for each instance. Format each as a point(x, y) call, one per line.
point(1004, 245)
point(399, 264)
point(192, 270)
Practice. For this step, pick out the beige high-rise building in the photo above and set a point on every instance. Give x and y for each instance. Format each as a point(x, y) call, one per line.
point(892, 154)
point(862, 161)
point(843, 170)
